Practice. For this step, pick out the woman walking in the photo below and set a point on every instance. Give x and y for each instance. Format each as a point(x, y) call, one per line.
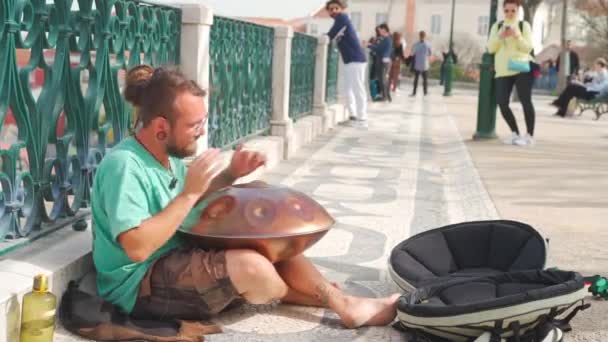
point(511, 42)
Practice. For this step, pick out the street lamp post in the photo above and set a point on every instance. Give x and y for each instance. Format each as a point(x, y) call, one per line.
point(564, 59)
point(486, 103)
point(449, 63)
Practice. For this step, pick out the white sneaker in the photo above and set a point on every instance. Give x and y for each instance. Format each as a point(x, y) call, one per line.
point(513, 139)
point(520, 141)
point(528, 139)
point(361, 124)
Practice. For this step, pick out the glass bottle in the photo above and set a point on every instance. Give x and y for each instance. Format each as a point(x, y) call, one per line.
point(38, 313)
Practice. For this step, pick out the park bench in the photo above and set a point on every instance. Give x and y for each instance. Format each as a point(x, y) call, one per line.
point(599, 105)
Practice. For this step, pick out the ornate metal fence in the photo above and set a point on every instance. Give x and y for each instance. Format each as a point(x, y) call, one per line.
point(331, 88)
point(241, 80)
point(302, 81)
point(61, 70)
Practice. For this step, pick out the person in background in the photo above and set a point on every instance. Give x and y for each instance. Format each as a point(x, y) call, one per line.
point(382, 50)
point(512, 47)
point(552, 74)
point(586, 91)
point(397, 59)
point(421, 52)
point(444, 62)
point(574, 61)
point(373, 64)
point(354, 60)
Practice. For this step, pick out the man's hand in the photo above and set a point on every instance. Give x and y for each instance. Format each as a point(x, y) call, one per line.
point(245, 162)
point(201, 172)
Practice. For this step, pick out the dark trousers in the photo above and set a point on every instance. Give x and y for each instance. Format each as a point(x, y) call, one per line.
point(380, 74)
point(572, 90)
point(424, 81)
point(504, 87)
point(383, 81)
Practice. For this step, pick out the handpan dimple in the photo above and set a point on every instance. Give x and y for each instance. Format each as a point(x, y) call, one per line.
point(219, 208)
point(300, 208)
point(260, 212)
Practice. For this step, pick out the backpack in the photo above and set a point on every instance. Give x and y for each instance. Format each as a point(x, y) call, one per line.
point(91, 317)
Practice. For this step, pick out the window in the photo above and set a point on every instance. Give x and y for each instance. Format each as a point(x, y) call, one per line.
point(483, 23)
point(314, 29)
point(435, 24)
point(381, 18)
point(355, 18)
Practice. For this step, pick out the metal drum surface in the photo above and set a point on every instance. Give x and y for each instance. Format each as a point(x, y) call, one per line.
point(278, 222)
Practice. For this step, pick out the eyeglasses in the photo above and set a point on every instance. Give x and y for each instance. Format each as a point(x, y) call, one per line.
point(196, 127)
point(199, 126)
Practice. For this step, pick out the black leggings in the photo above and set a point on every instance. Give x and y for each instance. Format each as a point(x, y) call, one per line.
point(504, 86)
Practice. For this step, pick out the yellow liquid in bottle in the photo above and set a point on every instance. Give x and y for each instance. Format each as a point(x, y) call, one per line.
point(38, 317)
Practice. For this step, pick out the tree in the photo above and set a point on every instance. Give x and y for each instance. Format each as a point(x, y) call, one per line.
point(530, 7)
point(594, 14)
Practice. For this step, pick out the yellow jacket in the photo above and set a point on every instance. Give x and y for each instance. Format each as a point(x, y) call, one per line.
point(516, 48)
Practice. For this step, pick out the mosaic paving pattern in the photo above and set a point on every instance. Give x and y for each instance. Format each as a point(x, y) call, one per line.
point(407, 173)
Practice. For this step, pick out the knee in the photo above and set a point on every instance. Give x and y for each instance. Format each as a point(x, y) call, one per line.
point(249, 263)
point(502, 103)
point(257, 275)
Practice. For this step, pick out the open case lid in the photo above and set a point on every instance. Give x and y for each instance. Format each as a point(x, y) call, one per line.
point(469, 249)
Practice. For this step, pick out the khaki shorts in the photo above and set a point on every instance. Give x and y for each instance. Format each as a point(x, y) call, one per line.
point(190, 284)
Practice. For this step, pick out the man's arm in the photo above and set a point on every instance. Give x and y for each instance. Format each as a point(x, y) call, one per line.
point(141, 239)
point(242, 163)
point(339, 24)
point(141, 242)
point(575, 61)
point(220, 181)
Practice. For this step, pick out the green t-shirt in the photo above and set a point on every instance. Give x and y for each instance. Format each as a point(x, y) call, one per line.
point(130, 186)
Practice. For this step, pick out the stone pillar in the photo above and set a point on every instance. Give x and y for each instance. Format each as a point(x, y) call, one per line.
point(319, 100)
point(340, 112)
point(281, 124)
point(196, 28)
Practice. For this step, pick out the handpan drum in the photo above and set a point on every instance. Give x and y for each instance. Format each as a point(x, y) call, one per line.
point(278, 222)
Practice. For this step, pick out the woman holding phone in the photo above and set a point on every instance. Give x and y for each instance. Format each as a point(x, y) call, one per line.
point(511, 42)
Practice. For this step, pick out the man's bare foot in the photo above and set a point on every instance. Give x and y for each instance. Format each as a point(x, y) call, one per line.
point(369, 311)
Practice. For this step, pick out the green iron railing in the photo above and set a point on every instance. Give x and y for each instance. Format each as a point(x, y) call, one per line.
point(240, 102)
point(54, 137)
point(302, 82)
point(331, 85)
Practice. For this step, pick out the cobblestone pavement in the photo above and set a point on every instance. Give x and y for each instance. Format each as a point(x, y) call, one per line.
point(410, 171)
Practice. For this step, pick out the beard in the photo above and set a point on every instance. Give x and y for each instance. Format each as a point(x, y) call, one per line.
point(181, 151)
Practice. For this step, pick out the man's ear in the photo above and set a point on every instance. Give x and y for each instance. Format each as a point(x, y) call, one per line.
point(160, 124)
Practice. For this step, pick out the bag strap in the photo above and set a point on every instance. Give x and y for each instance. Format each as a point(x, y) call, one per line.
point(564, 323)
